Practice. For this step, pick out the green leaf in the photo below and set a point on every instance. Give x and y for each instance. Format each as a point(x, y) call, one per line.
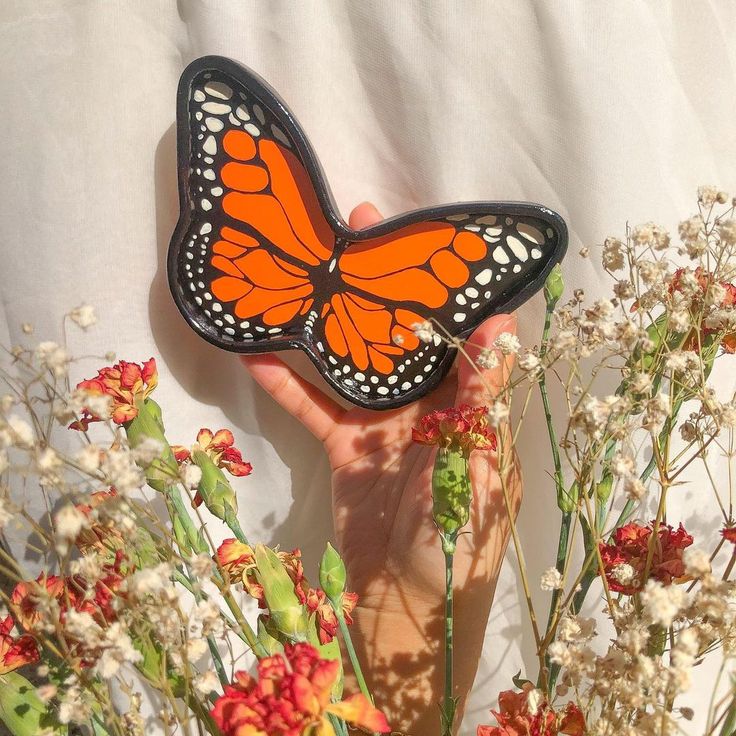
point(22, 711)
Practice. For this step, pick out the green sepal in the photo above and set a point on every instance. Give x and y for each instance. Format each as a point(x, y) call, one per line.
point(164, 470)
point(268, 636)
point(554, 287)
point(332, 574)
point(603, 487)
point(567, 500)
point(152, 667)
point(451, 493)
point(214, 488)
point(21, 710)
point(285, 609)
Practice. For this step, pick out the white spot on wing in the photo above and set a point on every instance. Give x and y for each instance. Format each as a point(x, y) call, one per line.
point(517, 248)
point(216, 108)
point(499, 255)
point(219, 90)
point(484, 277)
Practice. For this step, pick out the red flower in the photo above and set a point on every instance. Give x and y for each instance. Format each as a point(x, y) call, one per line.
point(464, 428)
point(729, 534)
point(219, 447)
point(631, 547)
point(15, 652)
point(291, 697)
point(514, 718)
point(124, 383)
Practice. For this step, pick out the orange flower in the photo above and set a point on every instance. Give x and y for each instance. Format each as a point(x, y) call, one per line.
point(464, 428)
point(124, 383)
point(15, 652)
point(630, 546)
point(219, 446)
point(729, 534)
point(291, 697)
point(514, 718)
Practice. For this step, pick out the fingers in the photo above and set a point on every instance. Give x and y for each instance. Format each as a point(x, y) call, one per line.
point(315, 410)
point(364, 215)
point(474, 383)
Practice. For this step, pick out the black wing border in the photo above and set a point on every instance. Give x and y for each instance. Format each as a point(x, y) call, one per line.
point(262, 91)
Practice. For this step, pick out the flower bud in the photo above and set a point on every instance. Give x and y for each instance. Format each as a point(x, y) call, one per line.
point(148, 424)
point(286, 612)
point(214, 489)
point(451, 495)
point(603, 489)
point(567, 499)
point(332, 574)
point(554, 286)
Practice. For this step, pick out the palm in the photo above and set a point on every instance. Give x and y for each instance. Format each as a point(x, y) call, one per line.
point(381, 480)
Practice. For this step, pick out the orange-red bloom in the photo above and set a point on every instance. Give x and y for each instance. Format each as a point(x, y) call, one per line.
point(729, 534)
point(291, 697)
point(69, 593)
point(124, 383)
point(15, 651)
point(631, 547)
point(514, 718)
point(220, 448)
point(464, 428)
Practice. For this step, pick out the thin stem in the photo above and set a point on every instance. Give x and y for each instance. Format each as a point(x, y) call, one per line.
point(448, 705)
point(354, 661)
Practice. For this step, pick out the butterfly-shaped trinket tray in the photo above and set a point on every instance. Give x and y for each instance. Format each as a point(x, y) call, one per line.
point(262, 261)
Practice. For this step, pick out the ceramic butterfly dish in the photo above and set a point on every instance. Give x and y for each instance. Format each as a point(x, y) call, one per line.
point(261, 260)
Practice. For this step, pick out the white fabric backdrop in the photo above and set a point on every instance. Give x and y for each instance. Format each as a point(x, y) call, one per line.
point(602, 111)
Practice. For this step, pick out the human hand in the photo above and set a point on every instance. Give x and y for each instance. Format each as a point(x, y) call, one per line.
point(382, 510)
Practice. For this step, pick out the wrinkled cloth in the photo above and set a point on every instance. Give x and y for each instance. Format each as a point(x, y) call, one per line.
point(605, 112)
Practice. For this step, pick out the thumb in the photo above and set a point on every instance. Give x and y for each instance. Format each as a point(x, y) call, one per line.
point(474, 382)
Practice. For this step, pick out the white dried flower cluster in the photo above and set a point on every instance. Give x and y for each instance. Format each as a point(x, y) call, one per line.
point(551, 579)
point(52, 356)
point(68, 523)
point(121, 471)
point(507, 343)
point(487, 359)
point(84, 316)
